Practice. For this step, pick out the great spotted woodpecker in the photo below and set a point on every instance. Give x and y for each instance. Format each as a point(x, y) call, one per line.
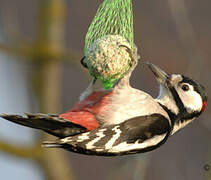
point(123, 120)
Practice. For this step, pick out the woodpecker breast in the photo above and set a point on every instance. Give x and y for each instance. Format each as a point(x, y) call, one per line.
point(126, 103)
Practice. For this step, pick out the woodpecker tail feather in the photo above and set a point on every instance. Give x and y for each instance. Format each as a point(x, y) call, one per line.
point(51, 144)
point(49, 123)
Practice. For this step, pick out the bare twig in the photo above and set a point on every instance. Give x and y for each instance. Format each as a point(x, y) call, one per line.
point(32, 152)
point(47, 52)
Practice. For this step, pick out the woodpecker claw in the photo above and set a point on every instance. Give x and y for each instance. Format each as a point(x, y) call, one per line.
point(88, 90)
point(83, 63)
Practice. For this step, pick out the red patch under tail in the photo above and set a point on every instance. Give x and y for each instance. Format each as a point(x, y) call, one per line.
point(84, 112)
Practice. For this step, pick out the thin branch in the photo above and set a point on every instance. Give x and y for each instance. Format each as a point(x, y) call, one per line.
point(14, 50)
point(48, 50)
point(30, 53)
point(32, 152)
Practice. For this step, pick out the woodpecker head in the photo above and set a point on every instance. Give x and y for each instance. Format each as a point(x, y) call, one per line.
point(182, 98)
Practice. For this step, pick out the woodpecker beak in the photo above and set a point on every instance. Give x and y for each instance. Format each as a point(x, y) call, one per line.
point(160, 75)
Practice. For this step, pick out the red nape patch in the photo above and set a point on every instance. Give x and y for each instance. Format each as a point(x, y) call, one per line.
point(204, 104)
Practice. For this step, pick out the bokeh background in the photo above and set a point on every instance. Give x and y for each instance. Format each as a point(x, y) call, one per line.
point(41, 44)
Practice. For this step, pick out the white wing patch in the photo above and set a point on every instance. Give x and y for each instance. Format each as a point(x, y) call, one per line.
point(110, 143)
point(81, 138)
point(127, 147)
point(100, 135)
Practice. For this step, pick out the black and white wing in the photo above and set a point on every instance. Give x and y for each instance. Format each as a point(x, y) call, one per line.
point(136, 135)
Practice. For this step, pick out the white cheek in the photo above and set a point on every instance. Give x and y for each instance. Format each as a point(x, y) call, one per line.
point(191, 100)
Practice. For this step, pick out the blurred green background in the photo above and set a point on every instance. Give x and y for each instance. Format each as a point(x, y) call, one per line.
point(41, 44)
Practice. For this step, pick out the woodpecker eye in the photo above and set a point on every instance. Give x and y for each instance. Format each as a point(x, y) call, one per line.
point(185, 87)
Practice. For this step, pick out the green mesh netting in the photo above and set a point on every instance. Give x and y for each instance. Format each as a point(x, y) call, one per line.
point(113, 17)
point(111, 26)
